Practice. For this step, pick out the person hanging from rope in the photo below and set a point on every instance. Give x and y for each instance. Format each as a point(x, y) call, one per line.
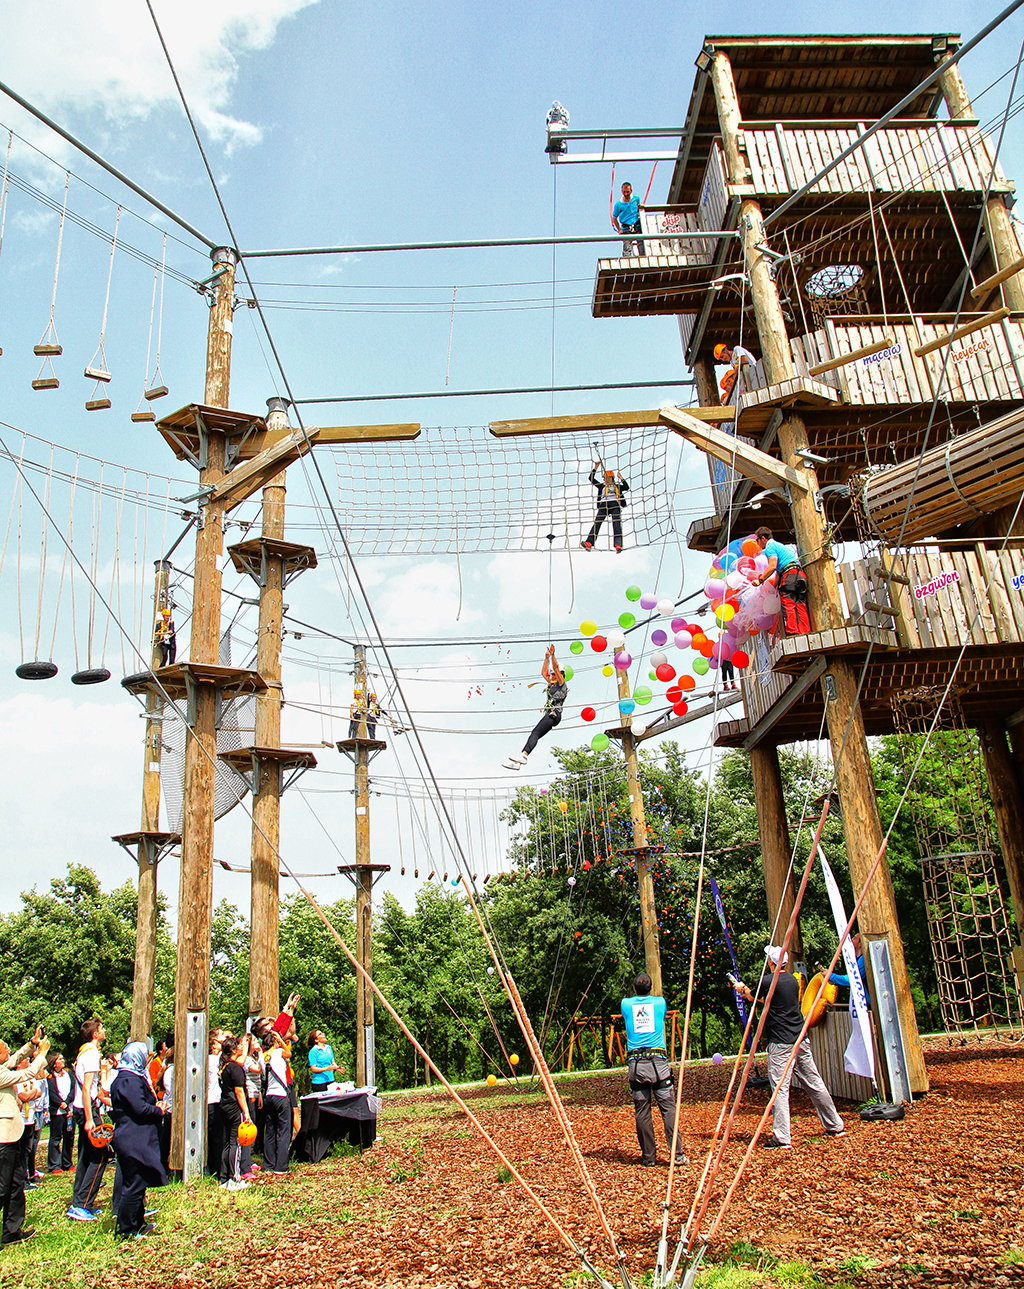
point(626, 218)
point(782, 1028)
point(737, 357)
point(611, 498)
point(791, 581)
point(166, 639)
point(650, 1074)
point(557, 693)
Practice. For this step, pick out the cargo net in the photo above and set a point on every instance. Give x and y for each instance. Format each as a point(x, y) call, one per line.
point(237, 728)
point(967, 921)
point(456, 490)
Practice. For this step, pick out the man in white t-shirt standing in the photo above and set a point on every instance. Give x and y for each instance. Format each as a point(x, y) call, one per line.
point(92, 1160)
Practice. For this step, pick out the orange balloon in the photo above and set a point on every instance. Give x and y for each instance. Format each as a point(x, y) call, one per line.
point(687, 682)
point(698, 640)
point(750, 547)
point(706, 648)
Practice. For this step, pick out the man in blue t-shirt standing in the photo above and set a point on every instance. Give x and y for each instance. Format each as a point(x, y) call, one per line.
point(649, 1071)
point(791, 582)
point(626, 218)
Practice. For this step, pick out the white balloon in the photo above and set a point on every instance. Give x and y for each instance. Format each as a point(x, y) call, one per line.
point(683, 640)
point(657, 658)
point(638, 729)
point(617, 641)
point(666, 608)
point(735, 580)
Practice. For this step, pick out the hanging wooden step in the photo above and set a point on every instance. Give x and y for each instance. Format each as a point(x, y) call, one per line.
point(143, 416)
point(46, 382)
point(97, 404)
point(97, 373)
point(158, 391)
point(47, 351)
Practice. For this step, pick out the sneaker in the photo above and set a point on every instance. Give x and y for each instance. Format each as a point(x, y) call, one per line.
point(682, 1161)
point(510, 763)
point(839, 1132)
point(31, 1186)
point(587, 546)
point(82, 1215)
point(648, 1163)
point(58, 1172)
point(257, 1168)
point(150, 1212)
point(37, 1176)
point(247, 1177)
point(618, 550)
point(770, 1143)
point(235, 1186)
point(26, 1233)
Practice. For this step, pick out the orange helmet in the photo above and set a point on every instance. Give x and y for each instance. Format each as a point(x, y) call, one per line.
point(100, 1134)
point(721, 351)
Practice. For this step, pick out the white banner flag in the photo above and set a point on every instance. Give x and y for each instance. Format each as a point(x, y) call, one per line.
point(859, 1057)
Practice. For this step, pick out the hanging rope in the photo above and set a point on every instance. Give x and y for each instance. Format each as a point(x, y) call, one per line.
point(100, 374)
point(42, 559)
point(49, 345)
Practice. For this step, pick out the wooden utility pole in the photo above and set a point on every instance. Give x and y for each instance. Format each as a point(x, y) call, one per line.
point(861, 824)
point(363, 874)
point(1004, 789)
point(195, 892)
point(776, 850)
point(1001, 236)
point(648, 906)
point(264, 982)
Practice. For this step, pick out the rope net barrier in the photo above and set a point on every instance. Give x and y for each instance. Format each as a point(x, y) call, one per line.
point(459, 489)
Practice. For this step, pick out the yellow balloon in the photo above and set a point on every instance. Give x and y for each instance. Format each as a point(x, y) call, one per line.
point(513, 1059)
point(588, 628)
point(607, 670)
point(728, 612)
point(491, 1080)
point(563, 806)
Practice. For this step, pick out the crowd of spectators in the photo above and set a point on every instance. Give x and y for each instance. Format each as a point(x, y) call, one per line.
point(119, 1105)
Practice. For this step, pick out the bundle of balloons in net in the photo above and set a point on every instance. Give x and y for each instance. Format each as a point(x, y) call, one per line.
point(742, 606)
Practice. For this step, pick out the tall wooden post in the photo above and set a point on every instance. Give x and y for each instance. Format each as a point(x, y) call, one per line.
point(145, 924)
point(1004, 789)
point(264, 984)
point(648, 906)
point(364, 887)
point(1001, 236)
point(861, 824)
point(776, 849)
point(195, 894)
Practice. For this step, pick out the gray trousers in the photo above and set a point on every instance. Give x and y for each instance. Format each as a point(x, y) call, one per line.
point(652, 1076)
point(806, 1074)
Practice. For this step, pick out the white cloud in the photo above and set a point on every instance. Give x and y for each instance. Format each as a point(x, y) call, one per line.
point(107, 58)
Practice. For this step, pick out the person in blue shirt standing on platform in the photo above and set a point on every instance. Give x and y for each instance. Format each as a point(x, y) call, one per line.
point(321, 1062)
point(649, 1071)
point(626, 218)
point(791, 583)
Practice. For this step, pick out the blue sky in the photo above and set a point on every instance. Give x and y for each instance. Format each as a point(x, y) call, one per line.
point(339, 125)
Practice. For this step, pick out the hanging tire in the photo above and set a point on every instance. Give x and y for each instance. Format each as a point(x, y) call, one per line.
point(831, 993)
point(136, 679)
point(92, 676)
point(36, 670)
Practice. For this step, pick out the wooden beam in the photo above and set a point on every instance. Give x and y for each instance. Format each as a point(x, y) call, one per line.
point(730, 450)
point(773, 828)
point(694, 714)
point(997, 315)
point(789, 698)
point(990, 283)
point(864, 352)
point(602, 421)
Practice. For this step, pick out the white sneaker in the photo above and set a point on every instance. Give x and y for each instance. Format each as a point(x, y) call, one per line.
point(236, 1186)
point(516, 761)
point(510, 763)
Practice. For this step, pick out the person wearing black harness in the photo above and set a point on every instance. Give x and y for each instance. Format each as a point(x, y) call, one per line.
point(649, 1071)
point(557, 693)
point(611, 498)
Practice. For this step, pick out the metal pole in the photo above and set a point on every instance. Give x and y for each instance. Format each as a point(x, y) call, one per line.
point(364, 888)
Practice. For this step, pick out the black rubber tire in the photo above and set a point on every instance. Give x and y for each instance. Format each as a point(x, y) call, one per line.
point(36, 671)
point(883, 1112)
point(136, 678)
point(93, 676)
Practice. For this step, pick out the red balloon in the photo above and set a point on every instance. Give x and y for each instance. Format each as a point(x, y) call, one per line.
point(706, 648)
point(739, 659)
point(674, 694)
point(680, 708)
point(666, 672)
point(599, 644)
point(687, 683)
point(588, 714)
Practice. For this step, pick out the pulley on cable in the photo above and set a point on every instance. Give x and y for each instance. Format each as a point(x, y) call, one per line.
point(49, 347)
point(97, 367)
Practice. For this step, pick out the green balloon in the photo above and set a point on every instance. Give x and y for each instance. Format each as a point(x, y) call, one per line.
point(643, 695)
point(599, 742)
point(568, 673)
point(626, 620)
point(652, 675)
point(633, 593)
point(576, 646)
point(700, 665)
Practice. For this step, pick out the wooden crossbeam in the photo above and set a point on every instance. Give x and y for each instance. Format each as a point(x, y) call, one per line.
point(990, 283)
point(997, 315)
point(276, 450)
point(844, 359)
point(730, 450)
point(601, 421)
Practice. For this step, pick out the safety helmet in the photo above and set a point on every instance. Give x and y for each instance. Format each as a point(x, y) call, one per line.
point(721, 351)
point(100, 1134)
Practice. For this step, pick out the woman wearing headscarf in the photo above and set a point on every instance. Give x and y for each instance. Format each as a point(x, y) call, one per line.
point(137, 1119)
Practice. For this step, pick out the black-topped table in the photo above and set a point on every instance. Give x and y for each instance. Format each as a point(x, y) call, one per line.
point(330, 1116)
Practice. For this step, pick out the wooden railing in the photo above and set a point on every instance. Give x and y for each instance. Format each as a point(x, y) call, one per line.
point(931, 157)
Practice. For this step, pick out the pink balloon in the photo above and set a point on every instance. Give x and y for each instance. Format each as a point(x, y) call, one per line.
point(714, 588)
point(623, 661)
point(678, 624)
point(683, 640)
point(648, 601)
point(713, 663)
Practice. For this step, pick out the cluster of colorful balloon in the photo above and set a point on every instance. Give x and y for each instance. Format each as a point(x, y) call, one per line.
point(743, 606)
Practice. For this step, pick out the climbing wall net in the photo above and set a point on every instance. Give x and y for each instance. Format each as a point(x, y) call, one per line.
point(456, 490)
point(967, 922)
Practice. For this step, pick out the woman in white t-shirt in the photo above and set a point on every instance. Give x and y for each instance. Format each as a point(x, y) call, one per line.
point(214, 1136)
point(277, 1131)
point(255, 1070)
